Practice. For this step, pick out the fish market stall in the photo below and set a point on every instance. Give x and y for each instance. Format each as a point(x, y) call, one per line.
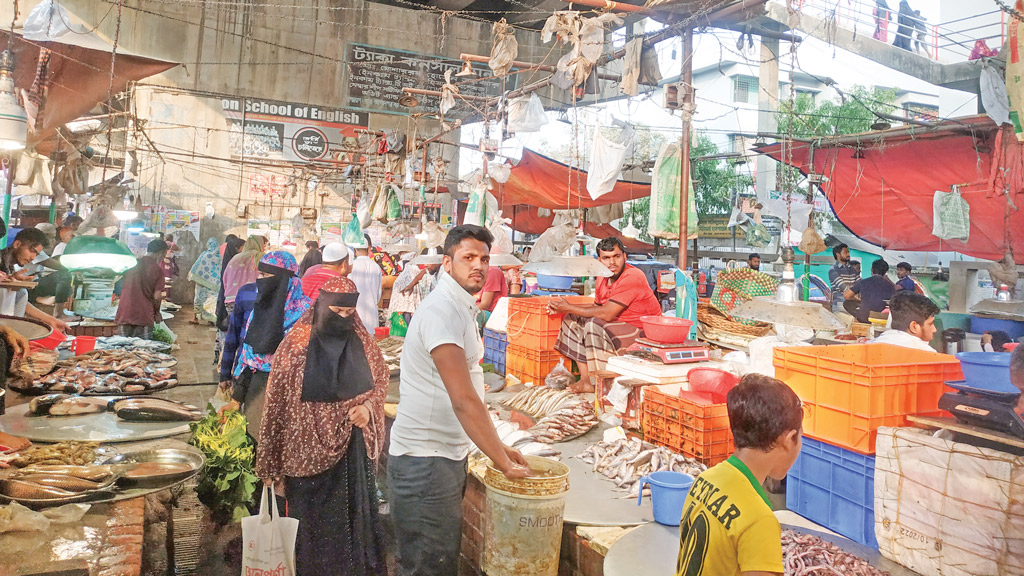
point(95, 529)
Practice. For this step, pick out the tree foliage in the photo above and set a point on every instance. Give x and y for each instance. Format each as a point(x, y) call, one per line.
point(845, 114)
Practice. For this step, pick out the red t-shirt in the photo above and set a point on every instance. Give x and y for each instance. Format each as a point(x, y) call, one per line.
point(632, 291)
point(311, 283)
point(495, 282)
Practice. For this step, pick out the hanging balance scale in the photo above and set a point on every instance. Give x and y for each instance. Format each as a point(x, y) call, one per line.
point(689, 351)
point(985, 408)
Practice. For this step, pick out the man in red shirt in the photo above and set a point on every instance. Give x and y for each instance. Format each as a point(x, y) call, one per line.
point(336, 262)
point(495, 288)
point(142, 292)
point(593, 333)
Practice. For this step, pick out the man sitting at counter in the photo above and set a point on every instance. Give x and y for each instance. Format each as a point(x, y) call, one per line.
point(913, 321)
point(23, 251)
point(593, 333)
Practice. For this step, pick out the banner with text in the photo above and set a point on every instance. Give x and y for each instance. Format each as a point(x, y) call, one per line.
point(291, 132)
point(377, 75)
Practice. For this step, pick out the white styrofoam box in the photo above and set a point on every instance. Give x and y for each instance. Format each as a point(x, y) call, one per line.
point(945, 508)
point(499, 316)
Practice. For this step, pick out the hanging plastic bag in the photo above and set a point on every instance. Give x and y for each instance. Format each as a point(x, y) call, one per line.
point(664, 215)
point(394, 206)
point(810, 240)
point(499, 172)
point(268, 540)
point(476, 210)
point(606, 158)
point(505, 48)
point(559, 378)
point(399, 327)
point(353, 232)
point(951, 216)
point(553, 242)
point(380, 204)
point(526, 114)
point(364, 212)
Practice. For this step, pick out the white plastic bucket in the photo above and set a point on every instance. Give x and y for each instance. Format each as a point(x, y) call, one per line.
point(523, 520)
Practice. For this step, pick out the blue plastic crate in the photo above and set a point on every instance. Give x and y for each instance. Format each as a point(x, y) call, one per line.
point(495, 340)
point(497, 358)
point(834, 487)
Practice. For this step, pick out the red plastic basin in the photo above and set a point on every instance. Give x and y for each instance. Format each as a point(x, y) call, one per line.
point(666, 329)
point(713, 381)
point(51, 342)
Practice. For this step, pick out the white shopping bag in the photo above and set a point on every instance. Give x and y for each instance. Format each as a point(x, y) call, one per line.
point(268, 541)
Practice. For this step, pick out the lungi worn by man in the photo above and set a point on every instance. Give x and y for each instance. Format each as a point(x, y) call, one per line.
point(593, 333)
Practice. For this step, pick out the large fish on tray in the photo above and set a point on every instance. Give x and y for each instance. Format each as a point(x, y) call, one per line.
point(66, 405)
point(19, 489)
point(155, 410)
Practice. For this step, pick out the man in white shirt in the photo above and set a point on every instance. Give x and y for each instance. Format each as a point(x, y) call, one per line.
point(913, 321)
point(367, 276)
point(442, 413)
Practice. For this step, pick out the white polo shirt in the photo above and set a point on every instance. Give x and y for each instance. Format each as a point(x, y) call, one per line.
point(426, 424)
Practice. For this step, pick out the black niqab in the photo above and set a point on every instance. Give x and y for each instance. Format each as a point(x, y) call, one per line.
point(336, 365)
point(266, 329)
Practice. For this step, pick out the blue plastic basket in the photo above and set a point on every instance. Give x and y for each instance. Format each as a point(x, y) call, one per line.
point(835, 488)
point(495, 343)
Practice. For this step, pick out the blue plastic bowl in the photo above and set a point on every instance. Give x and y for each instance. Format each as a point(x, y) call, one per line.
point(555, 282)
point(986, 370)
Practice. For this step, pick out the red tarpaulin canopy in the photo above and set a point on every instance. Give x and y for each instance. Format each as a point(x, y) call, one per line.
point(884, 194)
point(78, 76)
point(542, 182)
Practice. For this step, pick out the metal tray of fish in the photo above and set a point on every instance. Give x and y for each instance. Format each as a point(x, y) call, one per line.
point(41, 486)
point(165, 467)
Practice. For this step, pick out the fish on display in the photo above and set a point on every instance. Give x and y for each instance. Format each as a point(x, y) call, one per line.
point(66, 405)
point(154, 410)
point(20, 489)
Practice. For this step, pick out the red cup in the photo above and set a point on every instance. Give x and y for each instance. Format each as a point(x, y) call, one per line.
point(83, 344)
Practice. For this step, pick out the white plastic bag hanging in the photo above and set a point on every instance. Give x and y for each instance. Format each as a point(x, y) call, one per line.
point(951, 216)
point(606, 158)
point(505, 48)
point(476, 210)
point(526, 114)
point(268, 540)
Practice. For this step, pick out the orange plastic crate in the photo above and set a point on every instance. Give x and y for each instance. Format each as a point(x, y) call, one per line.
point(530, 325)
point(850, 391)
point(530, 365)
point(691, 424)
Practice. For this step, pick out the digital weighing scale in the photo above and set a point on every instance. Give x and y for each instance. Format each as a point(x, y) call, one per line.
point(689, 351)
point(985, 408)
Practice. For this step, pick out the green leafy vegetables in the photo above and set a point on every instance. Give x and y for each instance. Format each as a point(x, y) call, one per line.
point(227, 484)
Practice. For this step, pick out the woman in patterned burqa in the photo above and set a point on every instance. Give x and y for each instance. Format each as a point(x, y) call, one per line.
point(322, 432)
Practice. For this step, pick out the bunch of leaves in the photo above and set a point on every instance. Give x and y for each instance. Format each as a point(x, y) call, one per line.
point(227, 485)
point(160, 334)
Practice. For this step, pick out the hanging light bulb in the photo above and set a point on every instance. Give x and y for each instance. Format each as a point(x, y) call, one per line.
point(630, 231)
point(13, 122)
point(467, 70)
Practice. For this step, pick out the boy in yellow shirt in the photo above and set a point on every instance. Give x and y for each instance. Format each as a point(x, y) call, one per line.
point(728, 528)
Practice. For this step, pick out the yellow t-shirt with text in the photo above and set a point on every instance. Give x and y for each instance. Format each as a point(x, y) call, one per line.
point(728, 526)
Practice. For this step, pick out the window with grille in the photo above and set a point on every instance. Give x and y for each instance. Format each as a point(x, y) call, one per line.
point(745, 89)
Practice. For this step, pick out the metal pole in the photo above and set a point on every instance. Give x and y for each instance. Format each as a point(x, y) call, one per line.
point(684, 153)
point(9, 177)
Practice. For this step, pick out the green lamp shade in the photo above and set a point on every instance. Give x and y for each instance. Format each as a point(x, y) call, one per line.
point(97, 252)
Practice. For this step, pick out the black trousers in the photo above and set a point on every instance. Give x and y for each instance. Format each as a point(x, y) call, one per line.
point(426, 509)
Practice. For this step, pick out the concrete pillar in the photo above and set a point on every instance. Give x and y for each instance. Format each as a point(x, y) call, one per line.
point(768, 106)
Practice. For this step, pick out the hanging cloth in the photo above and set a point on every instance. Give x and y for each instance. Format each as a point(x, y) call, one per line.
point(336, 365)
point(606, 158)
point(631, 67)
